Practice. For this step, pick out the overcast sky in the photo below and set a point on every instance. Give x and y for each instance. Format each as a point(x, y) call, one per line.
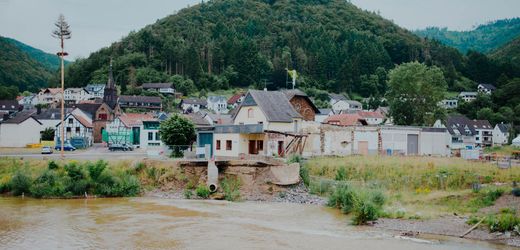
point(98, 23)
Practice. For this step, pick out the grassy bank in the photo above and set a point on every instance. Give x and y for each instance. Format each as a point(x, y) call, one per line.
point(413, 187)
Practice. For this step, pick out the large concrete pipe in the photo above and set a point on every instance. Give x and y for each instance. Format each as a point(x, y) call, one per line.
point(212, 176)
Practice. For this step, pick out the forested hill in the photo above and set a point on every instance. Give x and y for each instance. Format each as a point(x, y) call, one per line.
point(333, 44)
point(50, 61)
point(509, 53)
point(485, 38)
point(18, 69)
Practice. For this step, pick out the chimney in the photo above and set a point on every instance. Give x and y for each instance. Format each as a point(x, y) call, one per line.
point(38, 110)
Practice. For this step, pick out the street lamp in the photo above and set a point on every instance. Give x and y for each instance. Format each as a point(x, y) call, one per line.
point(62, 32)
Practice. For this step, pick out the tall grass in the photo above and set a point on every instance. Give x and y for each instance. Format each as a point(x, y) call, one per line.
point(366, 204)
point(410, 173)
point(67, 180)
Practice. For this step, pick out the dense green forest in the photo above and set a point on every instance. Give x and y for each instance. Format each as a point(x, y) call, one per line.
point(19, 71)
point(50, 61)
point(509, 54)
point(485, 38)
point(334, 45)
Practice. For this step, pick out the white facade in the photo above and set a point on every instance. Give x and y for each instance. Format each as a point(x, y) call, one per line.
point(150, 136)
point(29, 102)
point(500, 138)
point(468, 96)
point(254, 115)
point(76, 125)
point(95, 90)
point(21, 134)
point(449, 103)
point(75, 95)
point(218, 104)
point(484, 137)
point(49, 96)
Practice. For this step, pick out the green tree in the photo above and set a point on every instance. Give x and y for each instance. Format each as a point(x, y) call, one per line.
point(414, 93)
point(48, 134)
point(178, 133)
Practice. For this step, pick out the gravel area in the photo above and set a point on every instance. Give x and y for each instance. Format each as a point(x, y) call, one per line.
point(448, 226)
point(299, 194)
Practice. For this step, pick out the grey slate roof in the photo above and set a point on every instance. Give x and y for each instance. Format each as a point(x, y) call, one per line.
point(21, 117)
point(157, 85)
point(274, 105)
point(51, 114)
point(458, 124)
point(140, 99)
point(338, 97)
point(195, 101)
point(88, 108)
point(504, 128)
point(9, 105)
point(239, 129)
point(216, 99)
point(488, 86)
point(325, 111)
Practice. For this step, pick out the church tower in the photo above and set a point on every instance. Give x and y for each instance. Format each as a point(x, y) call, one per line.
point(110, 93)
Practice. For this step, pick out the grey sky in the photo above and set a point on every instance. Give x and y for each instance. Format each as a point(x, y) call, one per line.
point(98, 23)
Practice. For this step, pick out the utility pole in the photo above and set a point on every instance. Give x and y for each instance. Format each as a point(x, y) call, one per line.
point(62, 32)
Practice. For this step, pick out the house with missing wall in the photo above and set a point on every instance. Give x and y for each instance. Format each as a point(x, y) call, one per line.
point(266, 124)
point(302, 104)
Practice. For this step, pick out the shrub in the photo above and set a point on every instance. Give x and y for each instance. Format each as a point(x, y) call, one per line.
point(20, 183)
point(304, 175)
point(187, 194)
point(52, 165)
point(202, 191)
point(96, 169)
point(365, 211)
point(378, 198)
point(295, 159)
point(341, 173)
point(502, 222)
point(516, 192)
point(320, 187)
point(344, 198)
point(128, 186)
point(231, 188)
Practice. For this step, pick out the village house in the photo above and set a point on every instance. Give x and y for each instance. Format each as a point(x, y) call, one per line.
point(129, 128)
point(302, 104)
point(140, 102)
point(265, 124)
point(28, 102)
point(9, 106)
point(385, 111)
point(20, 130)
point(486, 88)
point(76, 95)
point(96, 90)
point(216, 119)
point(192, 105)
point(372, 117)
point(468, 96)
point(217, 104)
point(50, 117)
point(501, 134)
point(235, 100)
point(322, 115)
point(338, 102)
point(449, 103)
point(163, 88)
point(484, 136)
point(49, 96)
point(345, 120)
point(324, 139)
point(78, 130)
point(467, 133)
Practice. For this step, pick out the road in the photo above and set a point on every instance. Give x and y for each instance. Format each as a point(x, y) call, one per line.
point(97, 152)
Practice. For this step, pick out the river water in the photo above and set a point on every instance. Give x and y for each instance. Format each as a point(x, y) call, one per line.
point(149, 223)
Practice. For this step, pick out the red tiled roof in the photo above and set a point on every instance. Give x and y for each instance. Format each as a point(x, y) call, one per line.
point(234, 98)
point(370, 114)
point(345, 120)
point(135, 119)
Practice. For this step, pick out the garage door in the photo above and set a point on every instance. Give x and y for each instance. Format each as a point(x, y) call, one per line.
point(413, 145)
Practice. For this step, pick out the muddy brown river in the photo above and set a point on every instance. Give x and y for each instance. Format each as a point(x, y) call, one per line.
point(149, 223)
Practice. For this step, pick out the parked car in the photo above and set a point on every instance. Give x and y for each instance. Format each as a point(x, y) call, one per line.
point(120, 147)
point(47, 150)
point(66, 147)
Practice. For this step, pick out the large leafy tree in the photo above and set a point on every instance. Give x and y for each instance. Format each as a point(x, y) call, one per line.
point(414, 93)
point(177, 132)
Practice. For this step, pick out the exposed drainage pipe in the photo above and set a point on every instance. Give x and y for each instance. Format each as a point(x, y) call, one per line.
point(212, 176)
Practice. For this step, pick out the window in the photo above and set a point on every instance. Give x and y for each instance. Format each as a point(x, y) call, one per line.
point(259, 145)
point(102, 117)
point(218, 144)
point(69, 129)
point(157, 136)
point(71, 120)
point(78, 129)
point(250, 113)
point(150, 136)
point(229, 145)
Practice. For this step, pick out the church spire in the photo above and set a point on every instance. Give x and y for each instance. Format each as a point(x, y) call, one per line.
point(110, 93)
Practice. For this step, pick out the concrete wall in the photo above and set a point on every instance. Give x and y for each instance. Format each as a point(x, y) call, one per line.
point(19, 135)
